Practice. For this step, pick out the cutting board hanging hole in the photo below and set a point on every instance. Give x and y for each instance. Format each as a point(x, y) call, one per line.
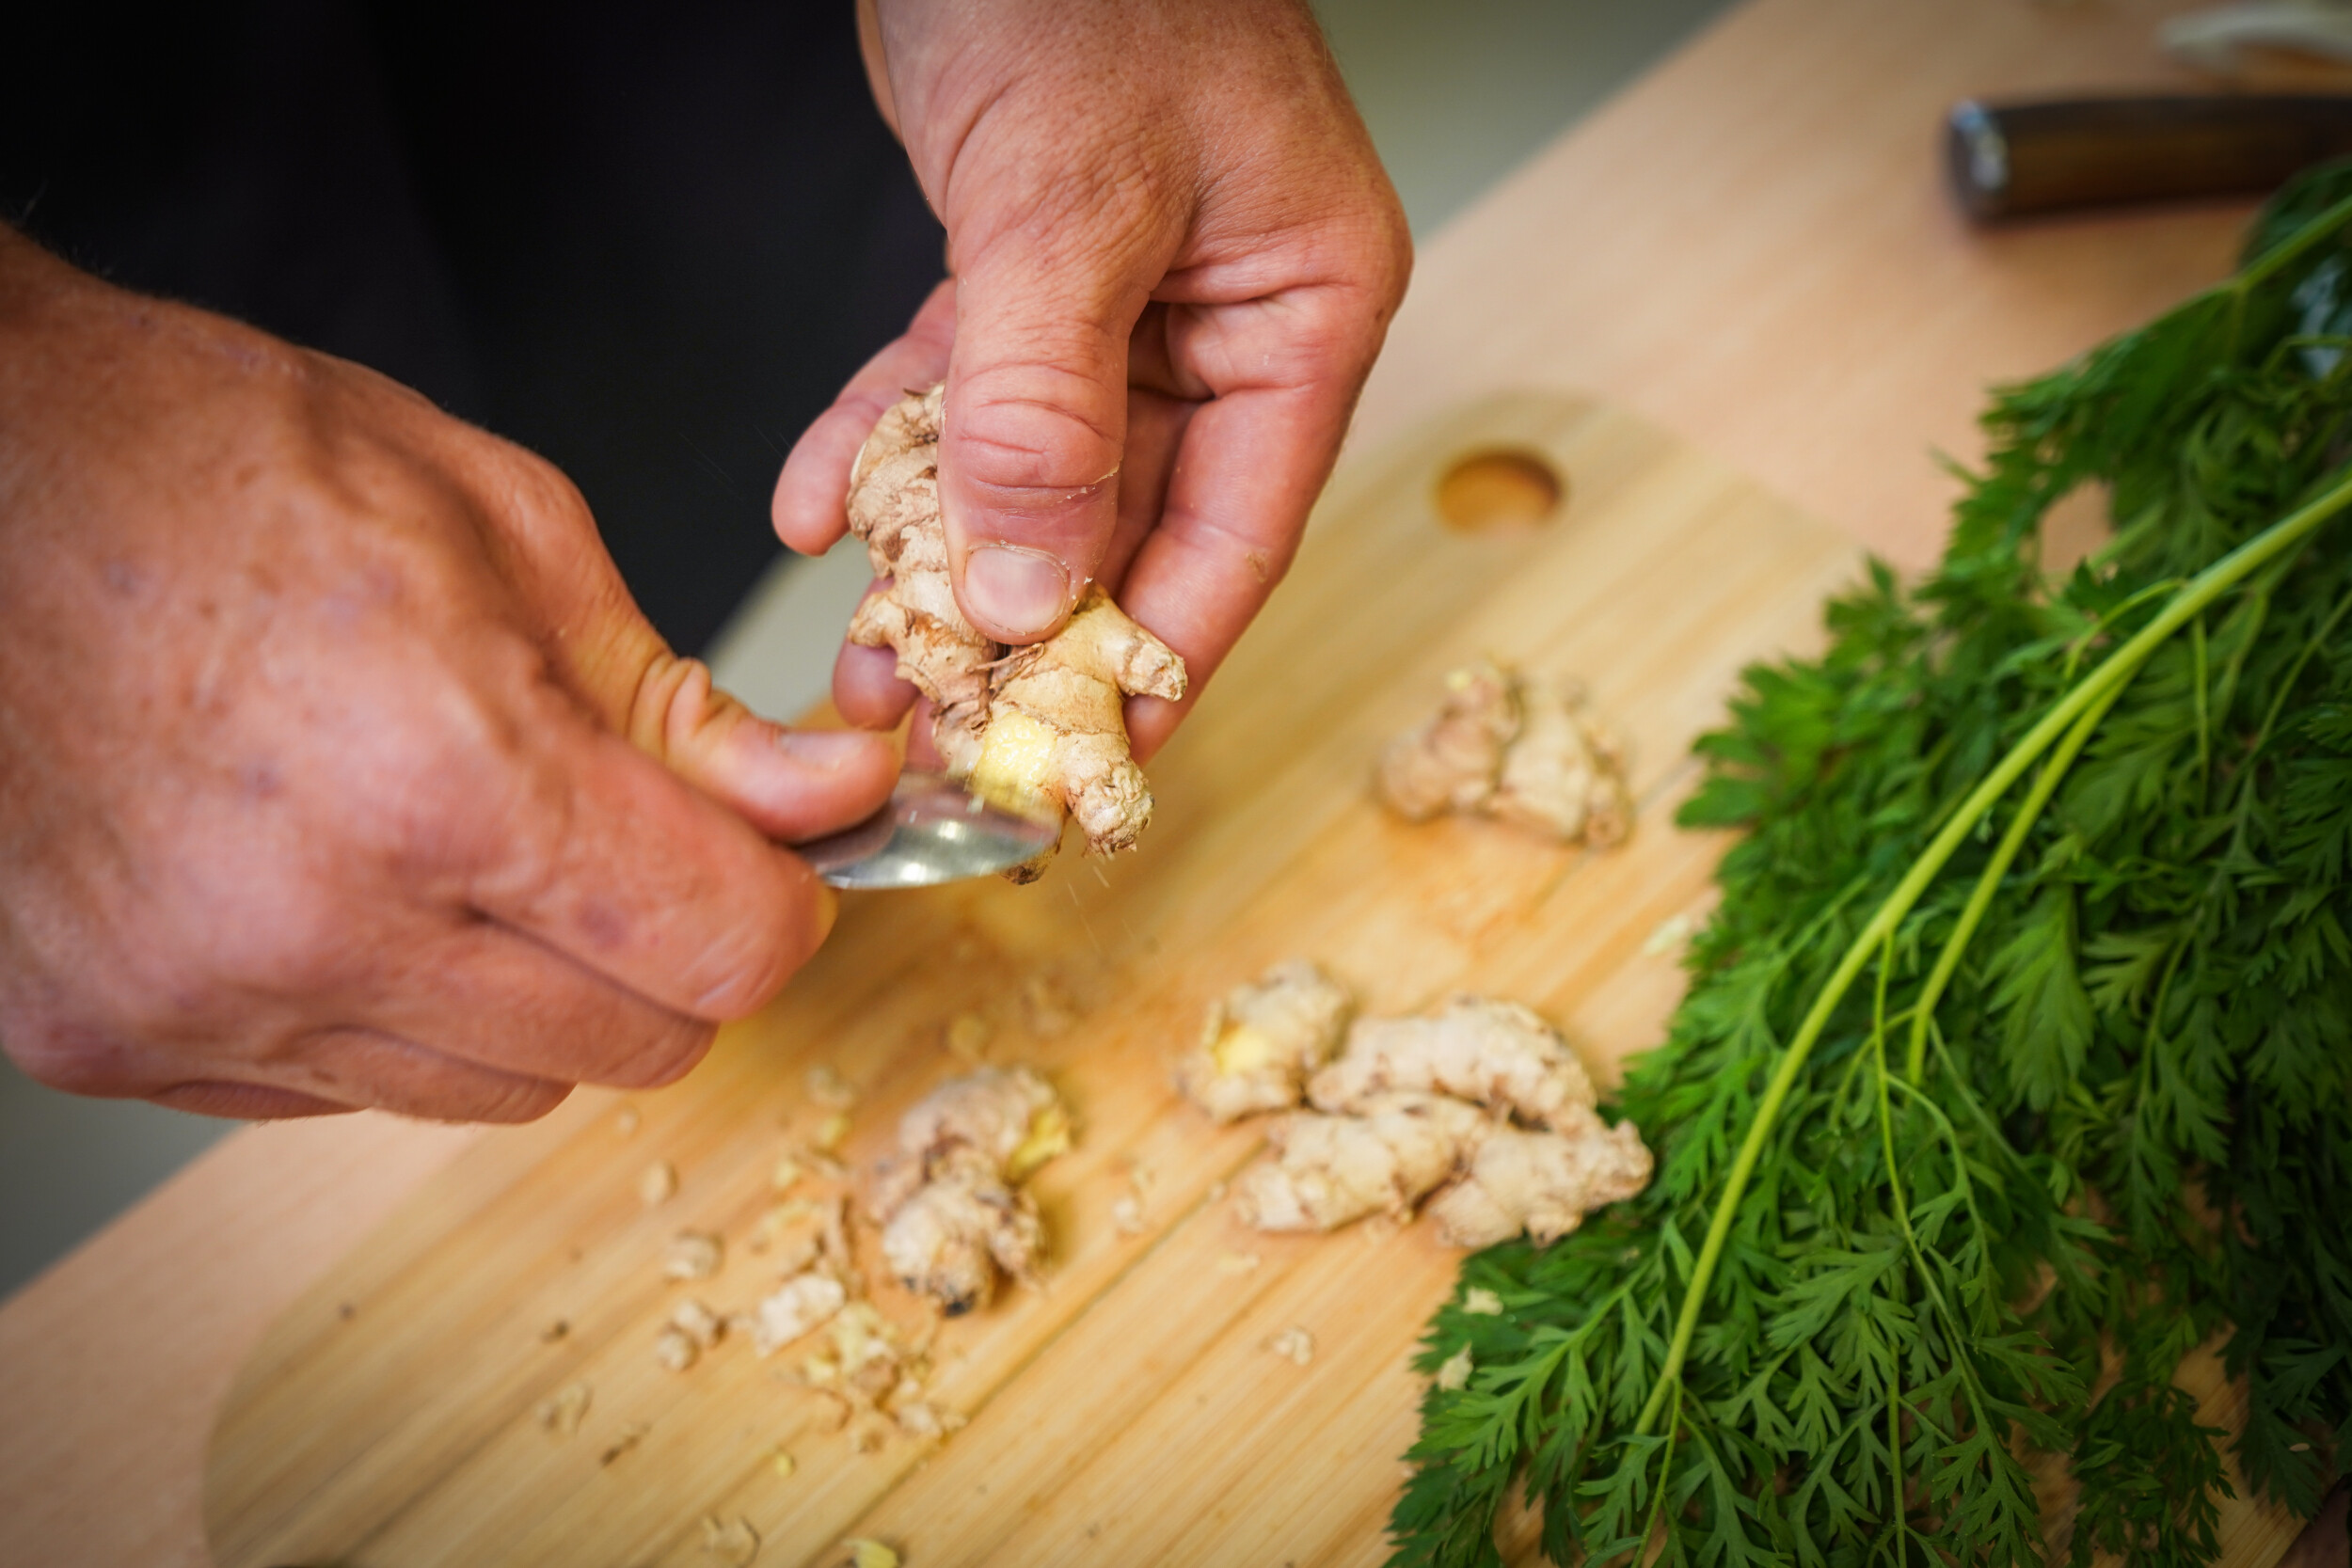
point(1500, 490)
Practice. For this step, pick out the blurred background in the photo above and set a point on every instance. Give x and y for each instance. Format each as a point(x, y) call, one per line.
point(650, 254)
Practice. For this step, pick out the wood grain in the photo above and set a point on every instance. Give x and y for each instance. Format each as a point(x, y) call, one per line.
point(1750, 245)
point(1130, 1411)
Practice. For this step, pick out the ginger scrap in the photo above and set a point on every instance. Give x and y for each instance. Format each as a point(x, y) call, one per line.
point(795, 1309)
point(658, 1184)
point(675, 1350)
point(1493, 1053)
point(692, 1329)
point(692, 1255)
point(1453, 1373)
point(951, 1213)
point(698, 1322)
point(967, 1037)
point(869, 1553)
point(631, 1435)
point(829, 1089)
point(1294, 1345)
point(563, 1412)
point(1385, 1157)
point(1263, 1039)
point(1515, 746)
point(734, 1543)
point(1040, 730)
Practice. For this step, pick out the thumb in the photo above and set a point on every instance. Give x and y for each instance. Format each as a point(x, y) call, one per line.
point(1036, 424)
point(789, 784)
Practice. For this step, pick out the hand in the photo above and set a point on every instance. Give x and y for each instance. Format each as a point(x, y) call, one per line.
point(331, 746)
point(1175, 257)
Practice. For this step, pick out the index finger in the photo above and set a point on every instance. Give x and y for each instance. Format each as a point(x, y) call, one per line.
point(1252, 460)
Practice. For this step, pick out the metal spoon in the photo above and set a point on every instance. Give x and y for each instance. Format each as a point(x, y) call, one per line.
point(929, 830)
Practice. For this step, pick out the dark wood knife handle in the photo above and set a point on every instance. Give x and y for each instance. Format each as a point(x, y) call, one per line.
point(2010, 159)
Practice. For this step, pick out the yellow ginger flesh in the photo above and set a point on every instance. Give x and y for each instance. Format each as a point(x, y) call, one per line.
point(1260, 1042)
point(1040, 730)
point(1056, 735)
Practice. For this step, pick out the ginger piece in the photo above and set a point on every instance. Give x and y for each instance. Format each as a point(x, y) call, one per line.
point(692, 1255)
point(658, 1184)
point(1539, 1183)
point(1514, 747)
point(1057, 733)
point(868, 1360)
point(1562, 775)
point(1384, 1158)
point(951, 1240)
point(1040, 730)
point(562, 1411)
point(1492, 1052)
point(952, 1217)
point(675, 1350)
point(1453, 760)
point(734, 1542)
point(1414, 1105)
point(1263, 1039)
point(796, 1308)
point(894, 507)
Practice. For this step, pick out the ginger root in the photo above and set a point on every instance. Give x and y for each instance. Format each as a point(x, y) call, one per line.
point(1055, 741)
point(894, 507)
point(1480, 1103)
point(1264, 1039)
point(1384, 1158)
point(1040, 730)
point(1543, 1184)
point(952, 1214)
point(1494, 1053)
point(1515, 746)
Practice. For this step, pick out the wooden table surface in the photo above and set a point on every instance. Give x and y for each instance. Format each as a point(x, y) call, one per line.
point(1751, 245)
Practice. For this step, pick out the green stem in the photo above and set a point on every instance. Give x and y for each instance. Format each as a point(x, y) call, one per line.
point(1980, 898)
point(2204, 740)
point(2118, 669)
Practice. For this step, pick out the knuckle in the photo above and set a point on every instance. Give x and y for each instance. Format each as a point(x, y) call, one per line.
point(1034, 424)
point(69, 1055)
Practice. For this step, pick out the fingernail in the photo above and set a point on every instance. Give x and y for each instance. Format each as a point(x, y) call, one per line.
point(826, 751)
point(1017, 592)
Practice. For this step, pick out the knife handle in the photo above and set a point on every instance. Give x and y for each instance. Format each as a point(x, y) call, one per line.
point(2010, 159)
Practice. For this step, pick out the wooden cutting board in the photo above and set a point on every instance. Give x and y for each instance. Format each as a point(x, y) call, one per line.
point(1130, 1411)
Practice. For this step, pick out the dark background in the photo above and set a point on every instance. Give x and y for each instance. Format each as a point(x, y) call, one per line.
point(647, 241)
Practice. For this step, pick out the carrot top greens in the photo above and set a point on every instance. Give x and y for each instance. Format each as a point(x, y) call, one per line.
point(2017, 1058)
